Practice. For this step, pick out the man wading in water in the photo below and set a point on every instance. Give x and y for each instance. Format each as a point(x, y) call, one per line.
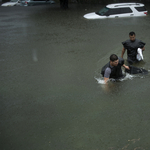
point(132, 45)
point(113, 68)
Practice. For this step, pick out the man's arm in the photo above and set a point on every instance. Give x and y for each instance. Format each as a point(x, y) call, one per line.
point(107, 74)
point(123, 51)
point(106, 79)
point(127, 67)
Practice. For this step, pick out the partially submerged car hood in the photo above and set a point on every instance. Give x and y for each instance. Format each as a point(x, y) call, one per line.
point(92, 15)
point(9, 4)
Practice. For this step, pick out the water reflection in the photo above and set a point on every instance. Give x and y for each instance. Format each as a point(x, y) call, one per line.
point(34, 55)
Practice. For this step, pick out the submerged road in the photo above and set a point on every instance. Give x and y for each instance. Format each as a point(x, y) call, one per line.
point(49, 96)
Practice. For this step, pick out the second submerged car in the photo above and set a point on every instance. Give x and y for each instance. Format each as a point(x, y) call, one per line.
point(36, 2)
point(119, 10)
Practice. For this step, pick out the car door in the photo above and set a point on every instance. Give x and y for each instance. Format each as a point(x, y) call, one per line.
point(113, 12)
point(126, 12)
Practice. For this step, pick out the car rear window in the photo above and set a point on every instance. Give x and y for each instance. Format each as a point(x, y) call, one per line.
point(119, 11)
point(140, 8)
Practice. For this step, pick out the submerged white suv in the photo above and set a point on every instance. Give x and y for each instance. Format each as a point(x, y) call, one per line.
point(119, 10)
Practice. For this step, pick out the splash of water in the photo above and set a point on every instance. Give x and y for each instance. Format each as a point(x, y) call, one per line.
point(34, 55)
point(100, 80)
point(128, 77)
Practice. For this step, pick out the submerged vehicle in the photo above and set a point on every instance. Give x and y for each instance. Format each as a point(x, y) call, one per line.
point(36, 2)
point(12, 3)
point(119, 10)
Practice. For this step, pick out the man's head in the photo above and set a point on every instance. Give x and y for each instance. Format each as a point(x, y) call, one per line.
point(132, 36)
point(114, 60)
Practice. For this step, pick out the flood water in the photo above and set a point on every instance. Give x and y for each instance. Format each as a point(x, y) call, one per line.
point(51, 96)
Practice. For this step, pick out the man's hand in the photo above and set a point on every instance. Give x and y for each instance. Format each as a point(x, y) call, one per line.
point(127, 67)
point(106, 80)
point(143, 48)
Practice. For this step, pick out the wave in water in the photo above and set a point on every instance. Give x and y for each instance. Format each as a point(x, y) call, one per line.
point(100, 80)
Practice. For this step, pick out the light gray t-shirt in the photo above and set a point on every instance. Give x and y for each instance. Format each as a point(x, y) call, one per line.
point(107, 72)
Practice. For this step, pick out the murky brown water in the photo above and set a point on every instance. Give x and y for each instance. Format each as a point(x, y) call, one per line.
point(49, 97)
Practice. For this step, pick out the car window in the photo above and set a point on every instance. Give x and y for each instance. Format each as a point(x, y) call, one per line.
point(125, 10)
point(140, 8)
point(113, 11)
point(119, 11)
point(102, 11)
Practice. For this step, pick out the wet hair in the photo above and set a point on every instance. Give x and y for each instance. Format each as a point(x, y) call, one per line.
point(113, 57)
point(132, 33)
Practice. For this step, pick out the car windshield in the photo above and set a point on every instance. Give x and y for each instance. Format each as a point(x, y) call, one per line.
point(102, 11)
point(14, 0)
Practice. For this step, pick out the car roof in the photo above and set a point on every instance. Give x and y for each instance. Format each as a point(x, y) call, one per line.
point(120, 5)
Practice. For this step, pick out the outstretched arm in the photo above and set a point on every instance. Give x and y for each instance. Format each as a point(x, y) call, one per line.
point(127, 67)
point(123, 51)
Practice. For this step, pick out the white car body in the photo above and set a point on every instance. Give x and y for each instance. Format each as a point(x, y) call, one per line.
point(12, 3)
point(119, 10)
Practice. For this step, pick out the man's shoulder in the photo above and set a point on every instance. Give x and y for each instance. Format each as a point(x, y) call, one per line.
point(108, 70)
point(120, 59)
point(126, 42)
point(137, 40)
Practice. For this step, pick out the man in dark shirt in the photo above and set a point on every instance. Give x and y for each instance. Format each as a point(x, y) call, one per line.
point(113, 68)
point(132, 45)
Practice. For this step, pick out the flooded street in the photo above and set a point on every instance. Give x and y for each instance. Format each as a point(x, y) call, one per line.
point(50, 94)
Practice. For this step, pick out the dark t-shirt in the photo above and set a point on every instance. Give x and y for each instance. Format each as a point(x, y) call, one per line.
point(132, 47)
point(107, 70)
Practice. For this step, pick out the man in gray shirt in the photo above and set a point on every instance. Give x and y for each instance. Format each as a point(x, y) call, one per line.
point(113, 68)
